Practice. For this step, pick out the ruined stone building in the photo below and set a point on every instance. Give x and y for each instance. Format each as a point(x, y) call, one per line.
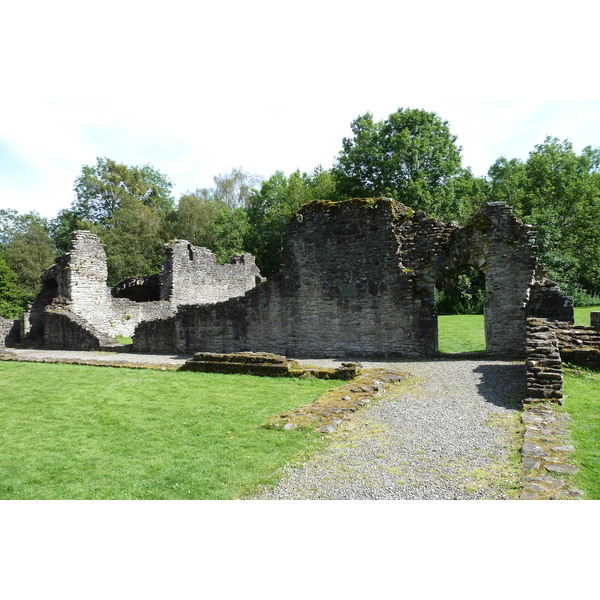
point(359, 280)
point(76, 310)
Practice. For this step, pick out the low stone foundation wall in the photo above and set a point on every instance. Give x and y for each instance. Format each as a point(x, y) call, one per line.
point(577, 345)
point(336, 406)
point(264, 364)
point(580, 345)
point(546, 454)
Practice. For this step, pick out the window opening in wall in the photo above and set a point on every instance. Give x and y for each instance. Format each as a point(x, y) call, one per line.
point(460, 296)
point(138, 289)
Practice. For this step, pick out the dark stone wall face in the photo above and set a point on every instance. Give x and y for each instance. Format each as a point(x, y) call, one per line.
point(359, 281)
point(339, 290)
point(507, 249)
point(64, 329)
point(5, 329)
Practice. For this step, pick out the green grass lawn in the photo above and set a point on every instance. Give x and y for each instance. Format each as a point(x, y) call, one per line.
point(461, 333)
point(78, 432)
point(465, 333)
point(582, 389)
point(582, 314)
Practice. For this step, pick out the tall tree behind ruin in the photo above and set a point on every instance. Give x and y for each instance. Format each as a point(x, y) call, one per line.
point(216, 217)
point(12, 300)
point(558, 192)
point(101, 188)
point(411, 156)
point(29, 254)
point(128, 207)
point(271, 208)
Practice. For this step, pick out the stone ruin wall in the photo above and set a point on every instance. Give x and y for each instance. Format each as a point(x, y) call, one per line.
point(550, 343)
point(191, 275)
point(359, 281)
point(75, 294)
point(5, 328)
point(339, 290)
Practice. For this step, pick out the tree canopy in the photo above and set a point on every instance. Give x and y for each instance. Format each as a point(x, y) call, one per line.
point(558, 192)
point(100, 189)
point(11, 294)
point(411, 156)
point(271, 208)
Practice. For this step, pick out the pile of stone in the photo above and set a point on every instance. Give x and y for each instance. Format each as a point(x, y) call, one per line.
point(580, 345)
point(336, 406)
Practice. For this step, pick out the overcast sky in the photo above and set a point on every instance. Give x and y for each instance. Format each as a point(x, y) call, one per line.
point(267, 86)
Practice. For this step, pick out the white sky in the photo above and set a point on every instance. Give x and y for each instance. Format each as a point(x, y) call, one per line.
point(195, 90)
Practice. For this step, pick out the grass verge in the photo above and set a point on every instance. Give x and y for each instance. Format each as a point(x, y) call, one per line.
point(582, 389)
point(78, 432)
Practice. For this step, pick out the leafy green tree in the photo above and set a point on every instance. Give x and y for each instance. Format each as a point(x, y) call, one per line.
point(130, 208)
point(134, 235)
point(558, 192)
point(229, 231)
point(101, 189)
point(13, 224)
point(234, 188)
point(61, 227)
point(270, 210)
point(195, 216)
point(216, 217)
point(12, 299)
point(28, 255)
point(508, 183)
point(410, 156)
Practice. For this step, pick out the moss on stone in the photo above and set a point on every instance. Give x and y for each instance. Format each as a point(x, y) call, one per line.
point(331, 409)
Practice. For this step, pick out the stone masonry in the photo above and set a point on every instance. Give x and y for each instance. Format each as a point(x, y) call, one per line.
point(359, 280)
point(75, 308)
point(5, 329)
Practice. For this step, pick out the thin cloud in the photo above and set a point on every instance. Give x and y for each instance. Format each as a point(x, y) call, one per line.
point(197, 89)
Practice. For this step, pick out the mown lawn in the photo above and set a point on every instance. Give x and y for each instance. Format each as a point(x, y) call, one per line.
point(582, 314)
point(78, 432)
point(582, 389)
point(461, 333)
point(582, 403)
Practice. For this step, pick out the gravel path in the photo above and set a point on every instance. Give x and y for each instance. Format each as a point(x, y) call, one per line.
point(442, 435)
